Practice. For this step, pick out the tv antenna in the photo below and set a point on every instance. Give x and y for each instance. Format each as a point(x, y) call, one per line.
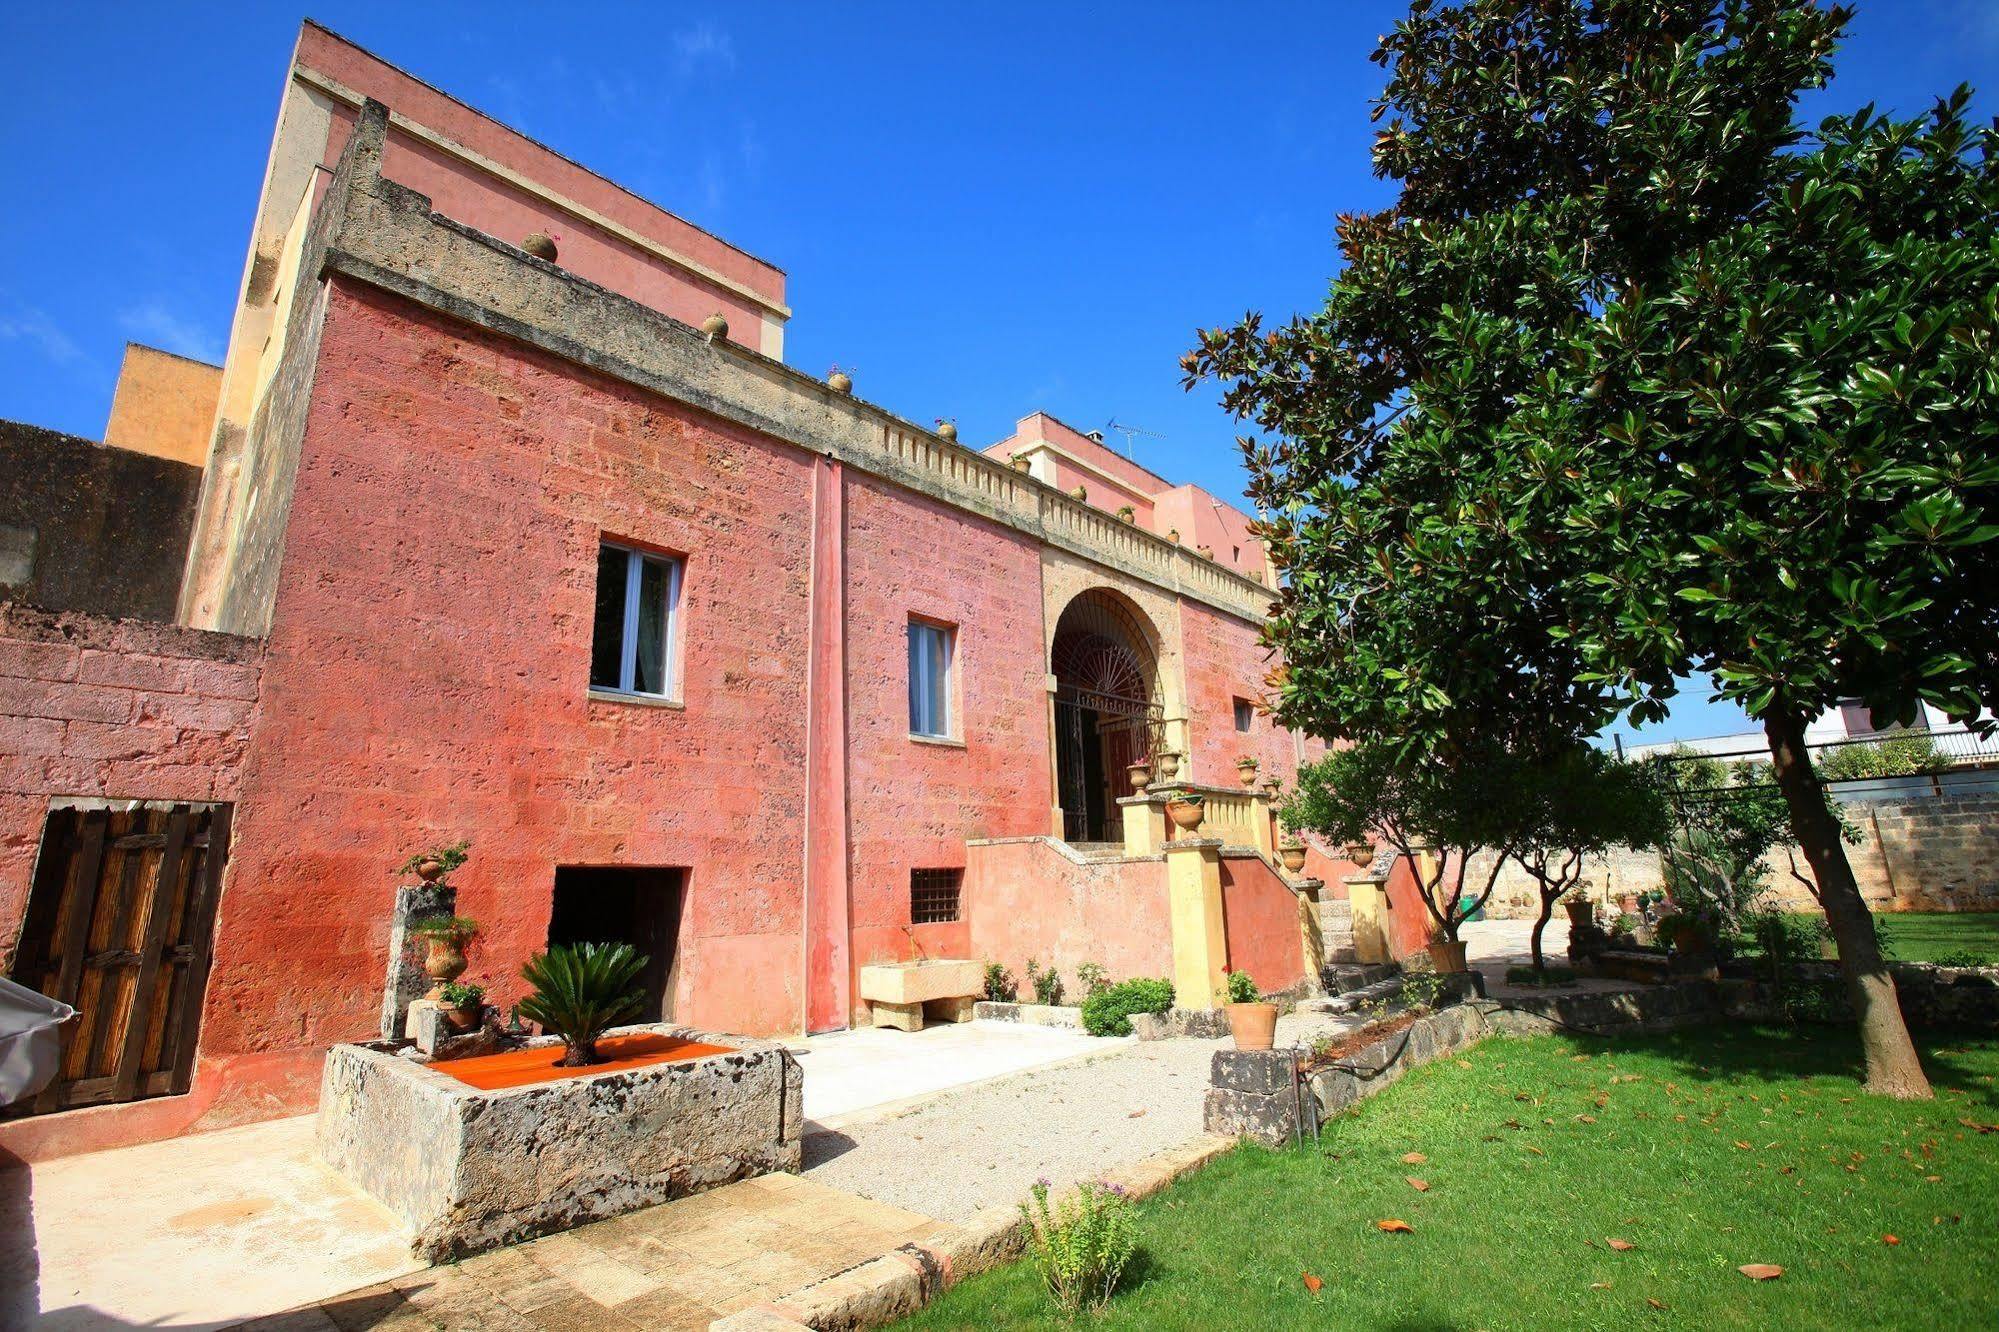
point(1130, 433)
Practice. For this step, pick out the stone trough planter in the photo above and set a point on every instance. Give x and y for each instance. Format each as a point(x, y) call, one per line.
point(470, 1169)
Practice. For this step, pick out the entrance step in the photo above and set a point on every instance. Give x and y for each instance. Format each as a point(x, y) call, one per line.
point(1385, 991)
point(1340, 978)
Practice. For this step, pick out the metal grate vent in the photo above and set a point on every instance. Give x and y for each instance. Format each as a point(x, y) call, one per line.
point(933, 895)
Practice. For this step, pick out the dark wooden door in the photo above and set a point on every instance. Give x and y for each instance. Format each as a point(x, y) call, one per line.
point(120, 926)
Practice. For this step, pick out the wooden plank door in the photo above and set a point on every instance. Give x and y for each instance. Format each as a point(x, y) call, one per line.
point(120, 926)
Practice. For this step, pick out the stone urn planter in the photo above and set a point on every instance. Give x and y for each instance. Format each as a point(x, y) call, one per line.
point(444, 951)
point(1139, 774)
point(1628, 903)
point(948, 430)
point(1581, 912)
point(540, 244)
point(1167, 764)
point(715, 327)
point(839, 380)
point(1186, 811)
point(1246, 771)
point(1686, 934)
point(1292, 854)
point(1254, 1026)
point(1447, 957)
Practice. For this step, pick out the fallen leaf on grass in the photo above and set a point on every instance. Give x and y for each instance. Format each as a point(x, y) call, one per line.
point(1977, 1127)
point(1620, 1245)
point(1743, 1145)
point(1761, 1271)
point(1933, 1179)
point(1890, 1239)
point(1312, 1283)
point(1599, 1285)
point(1420, 1185)
point(1656, 1304)
point(1414, 1158)
point(1586, 1119)
point(1536, 1150)
point(1395, 1226)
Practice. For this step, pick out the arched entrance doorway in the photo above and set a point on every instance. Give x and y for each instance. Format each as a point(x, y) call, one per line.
point(1107, 710)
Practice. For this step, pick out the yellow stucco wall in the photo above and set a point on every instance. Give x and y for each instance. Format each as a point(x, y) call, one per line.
point(164, 405)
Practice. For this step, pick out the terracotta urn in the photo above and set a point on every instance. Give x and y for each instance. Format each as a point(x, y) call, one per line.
point(1140, 774)
point(445, 962)
point(1021, 462)
point(1689, 938)
point(465, 1017)
point(1246, 770)
point(1580, 914)
point(948, 430)
point(429, 869)
point(1186, 814)
point(1254, 1026)
point(1080, 492)
point(1447, 958)
point(541, 245)
point(1293, 856)
point(840, 382)
point(1168, 764)
point(1205, 552)
point(715, 326)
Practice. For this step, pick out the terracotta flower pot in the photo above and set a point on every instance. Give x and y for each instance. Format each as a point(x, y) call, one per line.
point(444, 962)
point(1628, 903)
point(840, 382)
point(947, 430)
point(1580, 913)
point(1293, 857)
point(1689, 939)
point(1186, 814)
point(1254, 1026)
point(464, 1018)
point(429, 869)
point(1247, 772)
point(1139, 774)
point(1448, 959)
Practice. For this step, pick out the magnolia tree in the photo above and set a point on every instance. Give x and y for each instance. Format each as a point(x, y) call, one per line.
point(1638, 381)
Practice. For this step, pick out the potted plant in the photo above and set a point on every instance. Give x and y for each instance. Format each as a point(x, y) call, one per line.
point(1167, 763)
point(1245, 768)
point(1139, 773)
point(1186, 809)
point(446, 937)
point(582, 991)
point(431, 866)
point(1127, 514)
point(464, 1004)
point(1081, 492)
point(1252, 1022)
point(839, 380)
point(1581, 910)
point(1292, 852)
point(1447, 955)
point(540, 244)
point(1205, 552)
point(1629, 903)
point(1686, 931)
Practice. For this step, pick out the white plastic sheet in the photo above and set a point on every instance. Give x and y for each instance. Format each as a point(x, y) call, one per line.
point(30, 1044)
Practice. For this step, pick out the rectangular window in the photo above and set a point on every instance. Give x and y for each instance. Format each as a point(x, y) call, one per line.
point(1245, 714)
point(930, 648)
point(638, 614)
point(933, 895)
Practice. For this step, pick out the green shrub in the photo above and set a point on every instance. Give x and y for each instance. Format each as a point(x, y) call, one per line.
point(1001, 987)
point(1903, 756)
point(1108, 1011)
point(1963, 957)
point(461, 994)
point(1082, 1246)
point(582, 991)
point(1242, 990)
point(1092, 976)
point(1047, 984)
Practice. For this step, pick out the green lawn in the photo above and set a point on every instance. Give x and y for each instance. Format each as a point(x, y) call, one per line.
point(1926, 937)
point(1705, 1151)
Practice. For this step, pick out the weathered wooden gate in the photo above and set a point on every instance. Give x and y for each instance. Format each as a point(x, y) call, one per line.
point(119, 926)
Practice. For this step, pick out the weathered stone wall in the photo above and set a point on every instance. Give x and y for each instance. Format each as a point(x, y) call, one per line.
point(111, 709)
point(1922, 853)
point(88, 527)
point(468, 1170)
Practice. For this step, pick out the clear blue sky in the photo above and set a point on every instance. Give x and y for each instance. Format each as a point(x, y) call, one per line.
point(983, 210)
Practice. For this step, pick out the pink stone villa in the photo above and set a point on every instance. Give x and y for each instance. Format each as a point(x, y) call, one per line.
point(512, 525)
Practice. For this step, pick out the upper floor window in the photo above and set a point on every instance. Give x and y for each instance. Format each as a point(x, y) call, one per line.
point(638, 615)
point(1245, 714)
point(930, 651)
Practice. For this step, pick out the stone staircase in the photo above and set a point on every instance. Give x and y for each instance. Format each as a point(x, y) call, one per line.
point(1336, 926)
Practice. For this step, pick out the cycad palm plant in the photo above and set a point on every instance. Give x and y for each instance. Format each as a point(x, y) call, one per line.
point(580, 991)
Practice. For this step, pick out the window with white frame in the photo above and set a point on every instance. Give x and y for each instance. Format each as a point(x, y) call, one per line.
point(930, 651)
point(638, 616)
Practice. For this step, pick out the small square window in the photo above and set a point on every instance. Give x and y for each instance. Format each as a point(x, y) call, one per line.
point(1245, 714)
point(933, 895)
point(638, 615)
point(930, 651)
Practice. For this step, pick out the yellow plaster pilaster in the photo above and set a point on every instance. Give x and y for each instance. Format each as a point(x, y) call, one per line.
point(1194, 897)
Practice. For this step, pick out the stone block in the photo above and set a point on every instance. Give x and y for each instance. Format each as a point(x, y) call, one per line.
point(956, 1009)
point(920, 982)
point(1262, 1072)
point(1270, 1120)
point(901, 1017)
point(468, 1170)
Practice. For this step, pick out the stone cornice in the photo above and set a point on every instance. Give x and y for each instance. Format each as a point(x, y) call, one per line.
point(389, 237)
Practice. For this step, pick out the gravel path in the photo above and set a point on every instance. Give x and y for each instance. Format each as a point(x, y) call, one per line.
point(986, 1145)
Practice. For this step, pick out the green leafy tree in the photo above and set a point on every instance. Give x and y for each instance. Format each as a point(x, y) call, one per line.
point(1639, 381)
point(1726, 819)
point(1450, 807)
point(1576, 804)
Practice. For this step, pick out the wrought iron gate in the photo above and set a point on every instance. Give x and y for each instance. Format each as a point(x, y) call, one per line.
point(1097, 736)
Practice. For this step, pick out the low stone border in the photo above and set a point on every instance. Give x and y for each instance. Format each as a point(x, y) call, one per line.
point(1205, 1024)
point(900, 1282)
point(1029, 1015)
point(1932, 996)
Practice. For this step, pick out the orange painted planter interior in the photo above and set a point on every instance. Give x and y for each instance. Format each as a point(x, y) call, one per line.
point(522, 1068)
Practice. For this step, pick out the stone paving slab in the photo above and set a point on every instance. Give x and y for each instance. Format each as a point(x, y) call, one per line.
point(682, 1264)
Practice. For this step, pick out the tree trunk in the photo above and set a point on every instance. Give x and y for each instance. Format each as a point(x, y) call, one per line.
point(1892, 1066)
point(1547, 910)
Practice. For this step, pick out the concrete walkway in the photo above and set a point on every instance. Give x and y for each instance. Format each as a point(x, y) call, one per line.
point(210, 1230)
